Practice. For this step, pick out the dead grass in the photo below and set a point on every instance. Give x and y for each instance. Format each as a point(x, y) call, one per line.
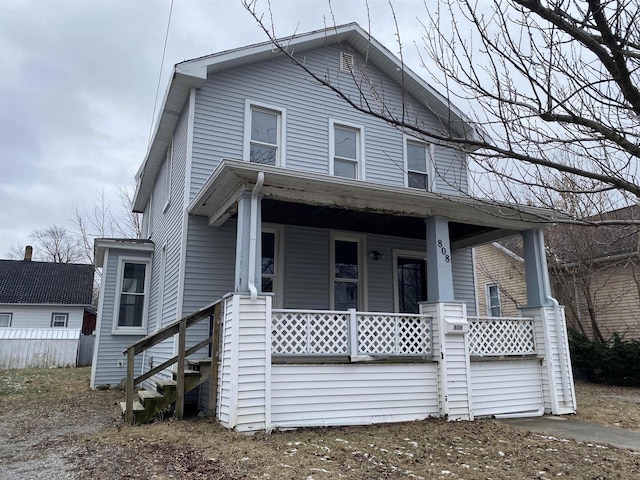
point(83, 429)
point(607, 405)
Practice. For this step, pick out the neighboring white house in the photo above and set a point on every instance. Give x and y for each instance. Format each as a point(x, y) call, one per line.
point(42, 307)
point(338, 246)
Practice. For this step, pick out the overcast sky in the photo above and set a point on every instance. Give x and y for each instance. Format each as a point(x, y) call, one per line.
point(78, 81)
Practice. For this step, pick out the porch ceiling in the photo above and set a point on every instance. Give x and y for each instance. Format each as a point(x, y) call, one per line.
point(303, 198)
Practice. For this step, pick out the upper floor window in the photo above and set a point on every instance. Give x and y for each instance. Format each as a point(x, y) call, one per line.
point(264, 136)
point(494, 309)
point(346, 150)
point(59, 319)
point(419, 165)
point(5, 319)
point(133, 298)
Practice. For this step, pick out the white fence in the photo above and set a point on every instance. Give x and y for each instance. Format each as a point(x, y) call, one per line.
point(501, 336)
point(324, 332)
point(38, 348)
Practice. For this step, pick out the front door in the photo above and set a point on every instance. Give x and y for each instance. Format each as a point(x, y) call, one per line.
point(411, 283)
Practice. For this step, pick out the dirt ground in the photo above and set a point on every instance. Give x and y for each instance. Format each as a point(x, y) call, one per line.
point(53, 427)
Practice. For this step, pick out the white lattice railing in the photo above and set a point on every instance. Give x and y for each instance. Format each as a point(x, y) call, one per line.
point(489, 336)
point(323, 332)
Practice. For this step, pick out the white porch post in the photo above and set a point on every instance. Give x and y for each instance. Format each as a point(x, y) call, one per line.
point(550, 328)
point(439, 272)
point(243, 243)
point(449, 323)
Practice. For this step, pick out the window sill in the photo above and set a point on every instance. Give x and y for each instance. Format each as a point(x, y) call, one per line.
point(129, 331)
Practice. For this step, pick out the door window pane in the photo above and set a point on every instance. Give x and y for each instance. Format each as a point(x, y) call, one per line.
point(412, 284)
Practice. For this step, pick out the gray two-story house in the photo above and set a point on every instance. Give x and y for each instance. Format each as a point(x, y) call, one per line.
point(335, 247)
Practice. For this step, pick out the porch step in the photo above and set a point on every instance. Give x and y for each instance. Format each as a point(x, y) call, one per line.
point(137, 407)
point(165, 384)
point(198, 363)
point(149, 396)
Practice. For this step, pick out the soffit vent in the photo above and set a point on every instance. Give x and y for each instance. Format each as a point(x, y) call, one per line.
point(346, 62)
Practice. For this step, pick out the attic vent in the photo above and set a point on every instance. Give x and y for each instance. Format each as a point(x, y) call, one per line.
point(346, 62)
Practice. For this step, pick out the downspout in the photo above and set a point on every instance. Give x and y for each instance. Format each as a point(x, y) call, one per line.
point(562, 353)
point(253, 235)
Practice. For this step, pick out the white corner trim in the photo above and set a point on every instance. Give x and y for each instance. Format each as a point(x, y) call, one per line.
point(99, 316)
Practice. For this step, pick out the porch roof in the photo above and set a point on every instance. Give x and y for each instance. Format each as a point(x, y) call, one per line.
point(305, 198)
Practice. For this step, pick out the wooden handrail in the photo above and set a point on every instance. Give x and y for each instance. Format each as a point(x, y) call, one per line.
point(170, 330)
point(211, 311)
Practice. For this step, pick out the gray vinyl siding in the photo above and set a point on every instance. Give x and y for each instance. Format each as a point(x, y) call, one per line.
point(109, 347)
point(220, 108)
point(167, 230)
point(307, 270)
point(463, 279)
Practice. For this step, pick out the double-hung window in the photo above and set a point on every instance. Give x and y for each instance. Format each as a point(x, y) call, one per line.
point(133, 289)
point(264, 134)
point(494, 309)
point(5, 319)
point(346, 150)
point(347, 274)
point(419, 165)
point(59, 319)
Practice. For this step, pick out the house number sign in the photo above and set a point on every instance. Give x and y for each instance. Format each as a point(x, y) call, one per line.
point(443, 251)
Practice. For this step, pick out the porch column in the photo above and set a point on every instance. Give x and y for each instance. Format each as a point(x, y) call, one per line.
point(243, 243)
point(535, 268)
point(439, 272)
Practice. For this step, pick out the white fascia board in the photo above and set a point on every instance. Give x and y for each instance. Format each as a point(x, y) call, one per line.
point(324, 190)
point(100, 245)
point(175, 98)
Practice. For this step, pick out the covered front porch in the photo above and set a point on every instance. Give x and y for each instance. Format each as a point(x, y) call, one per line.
point(371, 316)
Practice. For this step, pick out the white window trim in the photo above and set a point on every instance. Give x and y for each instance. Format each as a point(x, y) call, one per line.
point(487, 294)
point(360, 168)
point(431, 171)
point(398, 253)
point(169, 167)
point(150, 222)
point(60, 314)
point(142, 330)
point(278, 286)
point(281, 152)
point(361, 240)
point(10, 315)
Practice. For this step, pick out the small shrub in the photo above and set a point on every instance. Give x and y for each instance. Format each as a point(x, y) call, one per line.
point(615, 362)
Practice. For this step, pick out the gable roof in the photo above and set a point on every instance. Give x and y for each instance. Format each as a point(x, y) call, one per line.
point(27, 282)
point(193, 73)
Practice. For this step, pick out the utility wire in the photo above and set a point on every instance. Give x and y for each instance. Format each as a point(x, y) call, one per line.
point(164, 50)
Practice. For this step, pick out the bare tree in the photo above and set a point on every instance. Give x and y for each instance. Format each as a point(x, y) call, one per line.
point(553, 87)
point(56, 244)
